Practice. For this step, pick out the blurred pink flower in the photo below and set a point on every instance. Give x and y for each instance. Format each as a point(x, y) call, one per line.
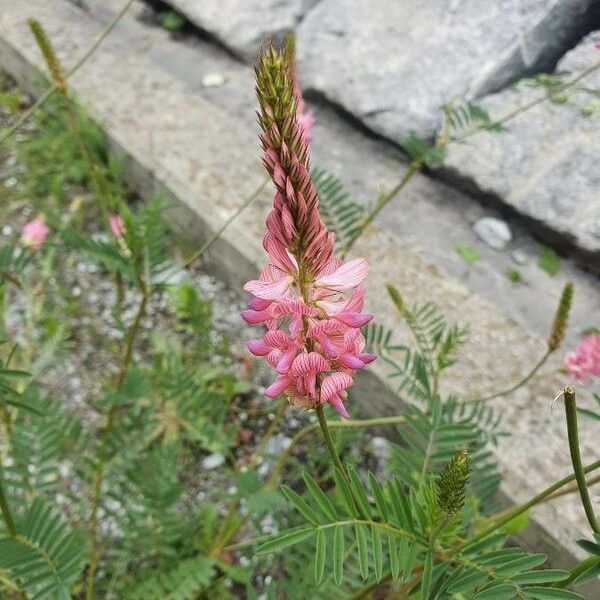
point(584, 361)
point(310, 301)
point(116, 225)
point(597, 45)
point(34, 233)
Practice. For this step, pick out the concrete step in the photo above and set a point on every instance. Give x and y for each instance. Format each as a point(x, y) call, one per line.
point(198, 147)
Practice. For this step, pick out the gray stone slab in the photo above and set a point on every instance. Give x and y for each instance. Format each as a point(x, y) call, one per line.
point(243, 25)
point(546, 165)
point(394, 64)
point(205, 160)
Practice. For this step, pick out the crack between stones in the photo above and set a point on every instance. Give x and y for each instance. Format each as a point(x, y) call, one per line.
point(192, 29)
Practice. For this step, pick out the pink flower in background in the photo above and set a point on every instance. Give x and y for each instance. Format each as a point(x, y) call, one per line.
point(117, 226)
point(310, 302)
point(584, 361)
point(34, 233)
point(597, 45)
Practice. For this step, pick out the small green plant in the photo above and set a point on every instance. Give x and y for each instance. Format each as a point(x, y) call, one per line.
point(514, 275)
point(469, 254)
point(172, 21)
point(548, 261)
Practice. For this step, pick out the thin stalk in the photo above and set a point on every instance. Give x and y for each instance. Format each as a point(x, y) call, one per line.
point(217, 234)
point(500, 519)
point(53, 88)
point(516, 386)
point(329, 441)
point(5, 509)
point(573, 434)
point(383, 200)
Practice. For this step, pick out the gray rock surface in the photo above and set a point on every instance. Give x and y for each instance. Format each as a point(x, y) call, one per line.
point(546, 165)
point(394, 64)
point(243, 25)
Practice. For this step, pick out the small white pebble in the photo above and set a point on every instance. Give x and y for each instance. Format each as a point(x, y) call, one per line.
point(213, 80)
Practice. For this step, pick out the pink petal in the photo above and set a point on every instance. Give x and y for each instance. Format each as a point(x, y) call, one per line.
point(259, 303)
point(350, 361)
point(333, 384)
point(328, 345)
point(277, 387)
point(308, 362)
point(285, 361)
point(269, 290)
point(254, 316)
point(345, 277)
point(338, 405)
point(367, 357)
point(258, 347)
point(353, 319)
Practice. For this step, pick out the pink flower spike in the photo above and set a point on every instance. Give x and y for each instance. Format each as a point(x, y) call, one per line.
point(117, 226)
point(597, 45)
point(278, 387)
point(310, 302)
point(34, 233)
point(346, 276)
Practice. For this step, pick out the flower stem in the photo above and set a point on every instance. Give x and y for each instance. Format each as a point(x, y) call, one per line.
point(573, 434)
point(329, 441)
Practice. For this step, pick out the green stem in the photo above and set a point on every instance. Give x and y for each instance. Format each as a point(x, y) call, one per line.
point(516, 386)
point(329, 442)
point(573, 434)
point(5, 508)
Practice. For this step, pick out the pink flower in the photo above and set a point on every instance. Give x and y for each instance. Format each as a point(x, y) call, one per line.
point(584, 361)
point(34, 233)
point(310, 302)
point(597, 45)
point(117, 226)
